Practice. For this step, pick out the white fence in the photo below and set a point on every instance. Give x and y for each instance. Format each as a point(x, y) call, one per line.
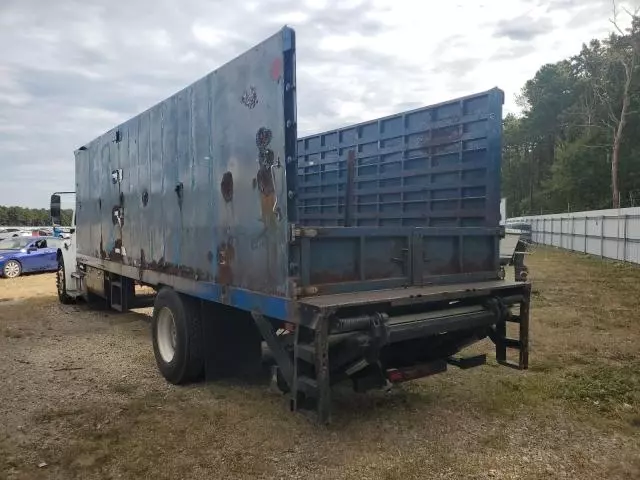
point(611, 234)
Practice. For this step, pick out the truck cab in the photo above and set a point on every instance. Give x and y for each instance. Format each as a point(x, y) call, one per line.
point(68, 282)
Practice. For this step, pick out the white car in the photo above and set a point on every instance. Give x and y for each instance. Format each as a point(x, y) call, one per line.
point(13, 232)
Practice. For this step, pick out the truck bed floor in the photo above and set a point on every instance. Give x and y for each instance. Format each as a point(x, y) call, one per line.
point(409, 294)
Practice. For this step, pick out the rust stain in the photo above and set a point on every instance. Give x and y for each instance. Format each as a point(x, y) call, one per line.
point(226, 256)
point(226, 186)
point(443, 135)
point(116, 252)
point(264, 181)
point(276, 69)
point(267, 194)
point(263, 137)
point(179, 192)
point(103, 253)
point(178, 270)
point(250, 98)
point(143, 263)
point(264, 177)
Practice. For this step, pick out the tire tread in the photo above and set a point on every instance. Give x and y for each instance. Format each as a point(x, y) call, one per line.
point(190, 366)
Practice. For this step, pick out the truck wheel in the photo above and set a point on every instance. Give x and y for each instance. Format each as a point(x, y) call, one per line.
point(177, 337)
point(12, 269)
point(61, 283)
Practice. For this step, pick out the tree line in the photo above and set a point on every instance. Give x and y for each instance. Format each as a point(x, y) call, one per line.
point(30, 217)
point(576, 145)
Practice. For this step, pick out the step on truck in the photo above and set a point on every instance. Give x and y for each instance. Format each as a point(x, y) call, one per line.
point(367, 254)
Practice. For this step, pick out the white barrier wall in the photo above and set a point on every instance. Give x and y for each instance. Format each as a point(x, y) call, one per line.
point(611, 234)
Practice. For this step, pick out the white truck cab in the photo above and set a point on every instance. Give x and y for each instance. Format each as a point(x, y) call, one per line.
point(68, 281)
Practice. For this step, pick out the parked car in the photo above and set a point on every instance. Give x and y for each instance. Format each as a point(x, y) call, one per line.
point(43, 232)
point(20, 255)
point(12, 232)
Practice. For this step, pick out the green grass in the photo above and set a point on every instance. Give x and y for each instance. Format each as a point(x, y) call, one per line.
point(606, 387)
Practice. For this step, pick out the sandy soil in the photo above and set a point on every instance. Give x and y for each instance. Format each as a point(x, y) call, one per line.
point(81, 398)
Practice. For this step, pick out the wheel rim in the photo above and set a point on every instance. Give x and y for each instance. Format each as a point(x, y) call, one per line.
point(12, 269)
point(167, 335)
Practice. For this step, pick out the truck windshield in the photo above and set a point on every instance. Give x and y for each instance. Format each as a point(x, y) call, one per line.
point(15, 243)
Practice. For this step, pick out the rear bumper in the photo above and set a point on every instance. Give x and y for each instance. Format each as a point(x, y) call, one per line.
point(382, 337)
point(432, 331)
point(407, 327)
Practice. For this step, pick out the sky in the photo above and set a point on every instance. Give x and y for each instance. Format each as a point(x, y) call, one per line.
point(73, 69)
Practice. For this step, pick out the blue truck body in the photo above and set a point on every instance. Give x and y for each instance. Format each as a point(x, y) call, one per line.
point(378, 242)
point(180, 196)
point(436, 166)
point(419, 192)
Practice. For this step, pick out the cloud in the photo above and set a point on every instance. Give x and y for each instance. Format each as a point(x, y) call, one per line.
point(523, 28)
point(72, 69)
point(515, 51)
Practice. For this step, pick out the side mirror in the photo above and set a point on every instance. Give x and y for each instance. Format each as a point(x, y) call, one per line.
point(32, 249)
point(56, 212)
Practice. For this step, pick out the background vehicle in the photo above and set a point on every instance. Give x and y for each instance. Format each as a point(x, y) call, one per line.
point(13, 232)
point(367, 254)
point(521, 228)
point(20, 255)
point(514, 245)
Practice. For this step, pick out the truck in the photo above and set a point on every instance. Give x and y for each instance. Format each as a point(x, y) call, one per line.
point(367, 254)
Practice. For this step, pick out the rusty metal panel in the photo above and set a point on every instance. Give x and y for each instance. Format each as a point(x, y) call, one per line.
point(432, 175)
point(345, 260)
point(437, 166)
point(202, 192)
point(94, 280)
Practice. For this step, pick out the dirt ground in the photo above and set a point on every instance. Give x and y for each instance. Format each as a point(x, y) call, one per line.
point(81, 398)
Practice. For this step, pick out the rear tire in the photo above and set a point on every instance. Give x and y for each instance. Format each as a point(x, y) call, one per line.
point(61, 283)
point(177, 337)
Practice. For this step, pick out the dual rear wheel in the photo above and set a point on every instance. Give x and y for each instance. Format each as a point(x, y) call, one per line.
point(177, 339)
point(192, 337)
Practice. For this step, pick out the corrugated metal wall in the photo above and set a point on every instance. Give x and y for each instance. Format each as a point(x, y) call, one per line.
point(613, 234)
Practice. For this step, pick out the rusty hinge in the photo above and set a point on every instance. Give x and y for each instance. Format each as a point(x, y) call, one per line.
point(306, 291)
point(299, 232)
